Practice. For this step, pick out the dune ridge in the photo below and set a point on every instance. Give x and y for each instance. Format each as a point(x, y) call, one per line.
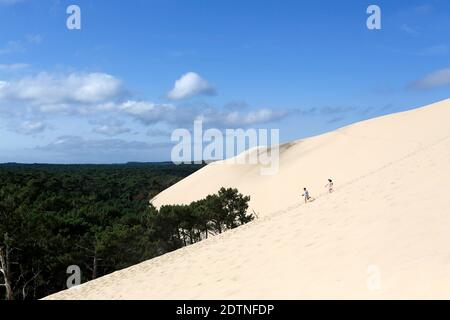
point(388, 220)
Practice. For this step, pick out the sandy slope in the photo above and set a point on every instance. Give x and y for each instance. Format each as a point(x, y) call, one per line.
point(389, 219)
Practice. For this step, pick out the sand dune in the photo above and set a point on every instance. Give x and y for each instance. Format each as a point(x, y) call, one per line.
point(382, 234)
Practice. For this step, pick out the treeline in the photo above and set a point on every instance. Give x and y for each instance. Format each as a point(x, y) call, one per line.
point(187, 224)
point(98, 218)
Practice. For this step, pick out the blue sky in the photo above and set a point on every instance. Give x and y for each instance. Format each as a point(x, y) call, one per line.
point(114, 90)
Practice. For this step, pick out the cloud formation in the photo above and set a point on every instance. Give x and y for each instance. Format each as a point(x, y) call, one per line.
point(31, 127)
point(13, 66)
point(148, 112)
point(76, 144)
point(151, 113)
point(103, 98)
point(110, 127)
point(189, 85)
point(326, 110)
point(235, 119)
point(20, 46)
point(51, 92)
point(12, 47)
point(439, 78)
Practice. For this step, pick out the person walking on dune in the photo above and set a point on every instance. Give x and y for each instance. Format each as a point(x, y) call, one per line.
point(306, 195)
point(330, 186)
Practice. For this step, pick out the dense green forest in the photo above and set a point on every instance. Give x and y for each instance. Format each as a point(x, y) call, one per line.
point(96, 217)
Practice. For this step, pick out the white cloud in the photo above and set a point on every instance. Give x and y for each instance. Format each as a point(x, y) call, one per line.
point(148, 112)
point(98, 94)
point(438, 78)
point(110, 127)
point(20, 46)
point(261, 116)
point(236, 105)
point(236, 119)
point(12, 47)
point(108, 130)
point(13, 66)
point(75, 144)
point(157, 132)
point(151, 113)
point(188, 85)
point(51, 91)
point(31, 127)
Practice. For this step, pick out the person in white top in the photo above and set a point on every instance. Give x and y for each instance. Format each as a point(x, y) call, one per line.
point(306, 195)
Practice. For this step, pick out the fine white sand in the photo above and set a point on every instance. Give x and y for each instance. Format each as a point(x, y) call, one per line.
point(383, 233)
